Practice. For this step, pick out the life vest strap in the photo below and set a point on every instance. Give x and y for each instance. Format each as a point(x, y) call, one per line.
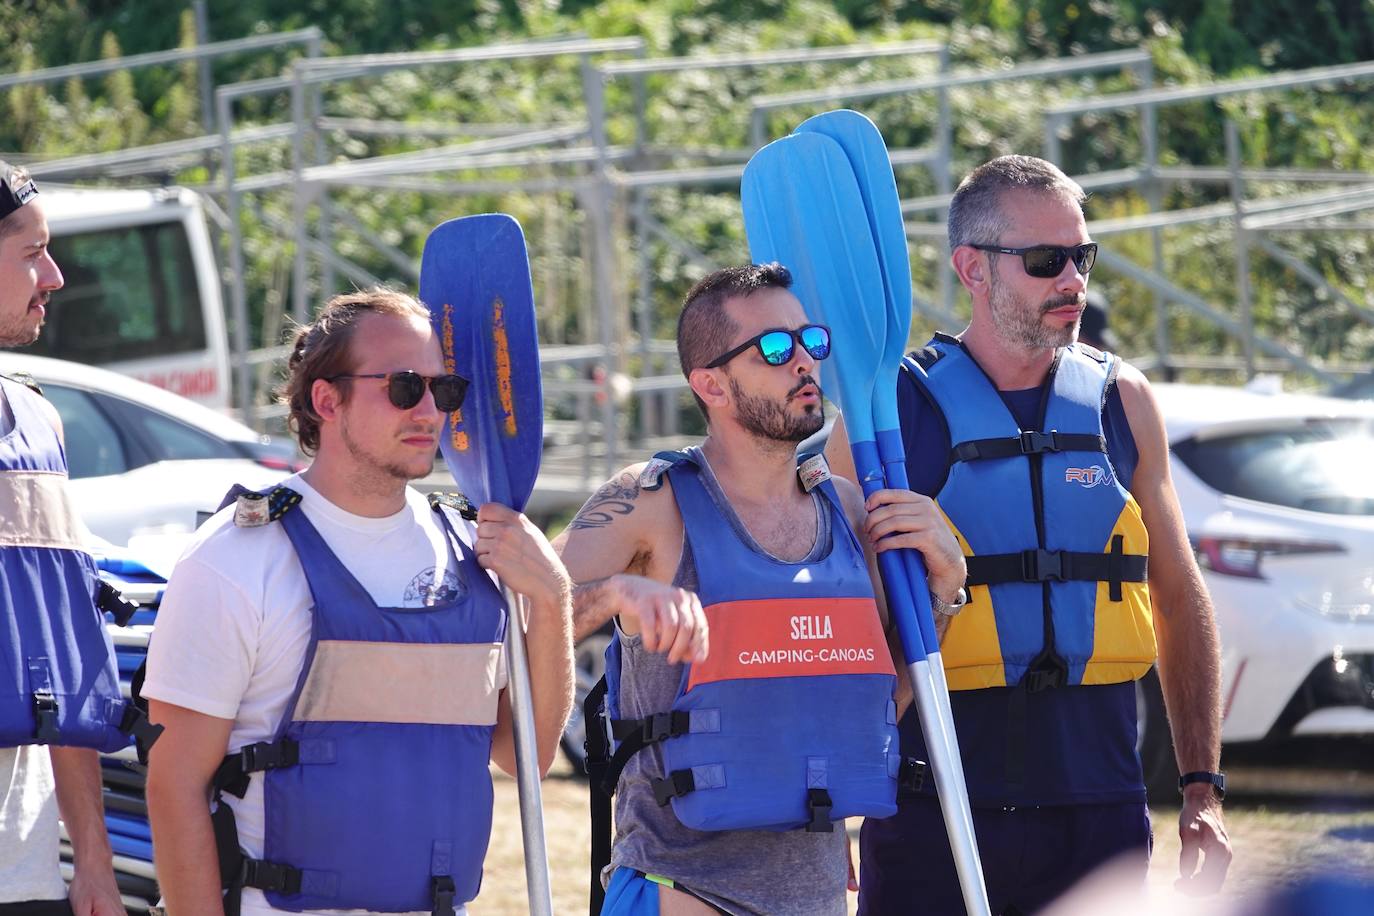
point(232, 774)
point(442, 891)
point(818, 804)
point(1029, 442)
point(45, 711)
point(1058, 566)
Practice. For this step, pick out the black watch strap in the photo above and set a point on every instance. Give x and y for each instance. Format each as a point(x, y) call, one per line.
point(1218, 781)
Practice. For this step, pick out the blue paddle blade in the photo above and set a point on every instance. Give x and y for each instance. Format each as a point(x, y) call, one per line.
point(802, 208)
point(867, 154)
point(475, 280)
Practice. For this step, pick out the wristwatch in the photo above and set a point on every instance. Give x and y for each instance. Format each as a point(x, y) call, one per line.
point(1218, 781)
point(948, 609)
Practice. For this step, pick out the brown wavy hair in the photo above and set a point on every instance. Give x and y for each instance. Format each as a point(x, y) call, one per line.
point(323, 349)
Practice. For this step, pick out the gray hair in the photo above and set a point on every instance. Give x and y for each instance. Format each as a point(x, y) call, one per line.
point(975, 213)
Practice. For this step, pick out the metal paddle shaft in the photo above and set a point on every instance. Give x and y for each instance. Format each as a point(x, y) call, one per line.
point(475, 280)
point(803, 207)
point(527, 761)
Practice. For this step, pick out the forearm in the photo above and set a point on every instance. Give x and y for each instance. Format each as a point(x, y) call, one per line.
point(594, 603)
point(187, 859)
point(77, 774)
point(1190, 674)
point(549, 644)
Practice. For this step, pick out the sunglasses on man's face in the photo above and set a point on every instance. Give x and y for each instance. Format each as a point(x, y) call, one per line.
point(406, 389)
point(777, 346)
point(1049, 260)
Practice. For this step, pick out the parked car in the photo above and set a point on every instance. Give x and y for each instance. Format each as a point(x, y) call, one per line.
point(1279, 505)
point(143, 460)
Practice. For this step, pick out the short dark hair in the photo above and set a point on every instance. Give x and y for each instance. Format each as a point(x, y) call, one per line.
point(704, 331)
point(322, 350)
point(975, 213)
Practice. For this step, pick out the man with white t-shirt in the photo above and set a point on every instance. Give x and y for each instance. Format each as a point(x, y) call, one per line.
point(340, 638)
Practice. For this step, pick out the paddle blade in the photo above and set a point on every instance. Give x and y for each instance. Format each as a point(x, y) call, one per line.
point(802, 207)
point(475, 280)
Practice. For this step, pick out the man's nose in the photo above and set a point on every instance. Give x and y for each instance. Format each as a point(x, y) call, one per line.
point(50, 275)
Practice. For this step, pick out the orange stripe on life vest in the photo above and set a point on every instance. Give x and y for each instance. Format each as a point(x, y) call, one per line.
point(792, 637)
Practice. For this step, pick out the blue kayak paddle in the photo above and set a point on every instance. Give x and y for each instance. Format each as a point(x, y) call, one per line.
point(475, 280)
point(863, 146)
point(803, 206)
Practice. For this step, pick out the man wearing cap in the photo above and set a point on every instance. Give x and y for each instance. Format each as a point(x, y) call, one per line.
point(36, 782)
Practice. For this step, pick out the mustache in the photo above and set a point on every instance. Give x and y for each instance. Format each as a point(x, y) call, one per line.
point(805, 381)
point(1058, 302)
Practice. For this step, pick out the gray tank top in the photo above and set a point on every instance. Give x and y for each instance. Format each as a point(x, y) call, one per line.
point(740, 871)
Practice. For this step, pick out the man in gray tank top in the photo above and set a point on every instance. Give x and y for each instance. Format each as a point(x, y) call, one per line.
point(750, 357)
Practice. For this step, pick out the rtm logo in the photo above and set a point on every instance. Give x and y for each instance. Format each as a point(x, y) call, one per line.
point(1095, 476)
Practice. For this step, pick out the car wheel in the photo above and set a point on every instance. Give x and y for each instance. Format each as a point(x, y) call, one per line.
point(1154, 741)
point(589, 664)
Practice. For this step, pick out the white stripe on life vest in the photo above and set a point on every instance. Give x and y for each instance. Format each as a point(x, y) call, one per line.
point(417, 683)
point(35, 511)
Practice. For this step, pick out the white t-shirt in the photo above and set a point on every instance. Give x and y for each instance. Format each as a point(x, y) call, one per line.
point(234, 622)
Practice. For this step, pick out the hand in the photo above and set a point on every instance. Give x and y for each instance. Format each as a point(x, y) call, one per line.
point(93, 892)
point(670, 619)
point(901, 518)
point(1202, 831)
point(511, 546)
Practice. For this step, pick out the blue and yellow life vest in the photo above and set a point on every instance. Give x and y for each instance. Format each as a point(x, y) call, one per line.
point(58, 681)
point(1056, 547)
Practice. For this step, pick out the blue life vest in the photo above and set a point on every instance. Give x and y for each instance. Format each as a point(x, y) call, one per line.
point(1056, 547)
point(377, 794)
point(58, 682)
point(790, 722)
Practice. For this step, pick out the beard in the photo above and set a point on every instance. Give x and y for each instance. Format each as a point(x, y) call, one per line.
point(380, 468)
point(1024, 327)
point(771, 420)
point(21, 332)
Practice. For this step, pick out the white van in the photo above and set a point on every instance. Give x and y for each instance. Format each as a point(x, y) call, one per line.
point(143, 293)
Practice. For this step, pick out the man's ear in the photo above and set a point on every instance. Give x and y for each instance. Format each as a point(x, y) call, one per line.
point(972, 266)
point(709, 385)
point(325, 399)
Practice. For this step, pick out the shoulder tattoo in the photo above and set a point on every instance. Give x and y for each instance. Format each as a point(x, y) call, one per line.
point(614, 498)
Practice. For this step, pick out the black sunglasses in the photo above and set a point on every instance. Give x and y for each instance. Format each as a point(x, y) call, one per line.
point(776, 345)
point(405, 389)
point(1049, 260)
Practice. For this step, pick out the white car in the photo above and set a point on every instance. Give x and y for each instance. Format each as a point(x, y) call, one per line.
point(144, 461)
point(1278, 499)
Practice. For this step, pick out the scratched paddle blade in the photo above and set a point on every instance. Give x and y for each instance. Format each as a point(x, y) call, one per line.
point(475, 280)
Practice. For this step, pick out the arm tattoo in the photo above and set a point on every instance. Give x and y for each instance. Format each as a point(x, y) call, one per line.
point(614, 498)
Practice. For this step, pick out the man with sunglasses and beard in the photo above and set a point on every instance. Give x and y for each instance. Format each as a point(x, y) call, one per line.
point(749, 662)
point(327, 661)
point(1049, 460)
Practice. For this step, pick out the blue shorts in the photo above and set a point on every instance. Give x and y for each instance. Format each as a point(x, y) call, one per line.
point(633, 893)
point(1031, 856)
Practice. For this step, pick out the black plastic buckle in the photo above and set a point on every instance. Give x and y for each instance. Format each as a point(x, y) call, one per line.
point(269, 755)
point(270, 876)
point(818, 803)
point(442, 890)
point(1042, 565)
point(45, 714)
point(677, 783)
point(136, 724)
point(1046, 672)
point(109, 599)
point(911, 776)
point(663, 725)
point(1033, 442)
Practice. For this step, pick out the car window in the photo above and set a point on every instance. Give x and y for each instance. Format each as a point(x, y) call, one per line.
point(94, 446)
point(171, 439)
point(1320, 466)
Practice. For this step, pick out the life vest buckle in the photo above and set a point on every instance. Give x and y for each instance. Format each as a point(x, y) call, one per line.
point(442, 890)
point(664, 725)
point(676, 784)
point(818, 803)
point(1046, 672)
point(269, 876)
point(1033, 442)
point(45, 714)
point(911, 776)
point(1042, 565)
